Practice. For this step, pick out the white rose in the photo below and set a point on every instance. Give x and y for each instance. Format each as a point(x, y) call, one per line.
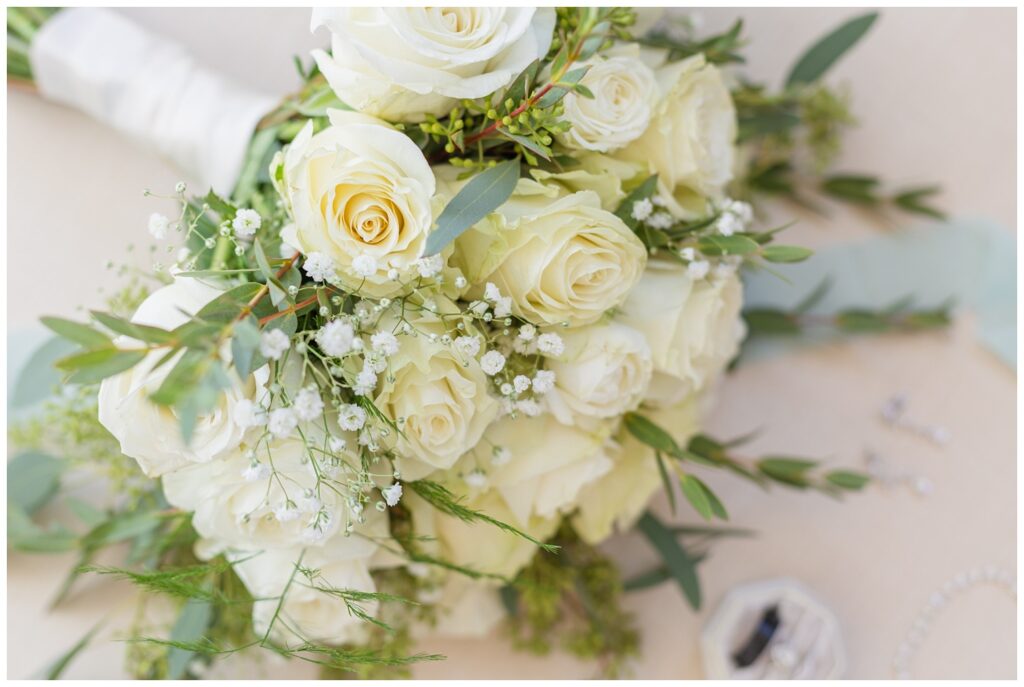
point(561, 259)
point(694, 328)
point(479, 546)
point(467, 608)
point(548, 464)
point(309, 612)
point(690, 143)
point(151, 433)
point(358, 189)
point(624, 92)
point(443, 396)
point(604, 372)
point(616, 500)
point(241, 508)
point(402, 63)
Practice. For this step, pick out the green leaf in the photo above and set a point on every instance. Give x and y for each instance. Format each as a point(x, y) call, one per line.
point(791, 471)
point(666, 481)
point(38, 377)
point(528, 143)
point(32, 478)
point(911, 201)
point(769, 321)
point(222, 207)
point(227, 306)
point(79, 333)
point(854, 188)
point(823, 54)
point(142, 332)
point(695, 493)
point(25, 535)
point(244, 342)
point(95, 366)
point(58, 667)
point(786, 253)
point(727, 245)
point(191, 626)
point(645, 190)
point(650, 434)
point(846, 479)
point(766, 124)
point(510, 599)
point(564, 85)
point(681, 565)
point(481, 196)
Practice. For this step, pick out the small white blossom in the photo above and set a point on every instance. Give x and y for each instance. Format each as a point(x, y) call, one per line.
point(393, 274)
point(429, 266)
point(317, 529)
point(256, 471)
point(460, 282)
point(392, 494)
point(500, 455)
point(307, 403)
point(468, 346)
point(384, 343)
point(366, 381)
point(246, 222)
point(282, 422)
point(503, 307)
point(529, 407)
point(527, 332)
point(319, 267)
point(286, 513)
point(698, 269)
point(335, 338)
point(743, 211)
point(337, 444)
point(551, 344)
point(158, 226)
point(521, 383)
point(351, 417)
point(364, 265)
point(476, 479)
point(660, 220)
point(507, 389)
point(728, 224)
point(247, 414)
point(688, 253)
point(273, 344)
point(543, 381)
point(724, 269)
point(492, 362)
point(491, 292)
point(660, 201)
point(642, 209)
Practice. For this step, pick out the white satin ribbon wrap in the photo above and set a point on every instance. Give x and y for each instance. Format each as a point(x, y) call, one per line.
point(150, 89)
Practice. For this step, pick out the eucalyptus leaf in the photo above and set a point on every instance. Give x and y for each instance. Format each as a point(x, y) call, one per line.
point(32, 478)
point(244, 344)
point(142, 332)
point(38, 377)
point(845, 479)
point(680, 564)
point(786, 253)
point(58, 667)
point(79, 333)
point(695, 493)
point(96, 365)
point(191, 626)
point(650, 434)
point(823, 54)
point(478, 198)
point(727, 245)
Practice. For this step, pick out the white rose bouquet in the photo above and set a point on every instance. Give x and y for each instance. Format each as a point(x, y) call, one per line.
point(456, 325)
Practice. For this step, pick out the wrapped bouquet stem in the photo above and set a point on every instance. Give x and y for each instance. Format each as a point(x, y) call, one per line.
point(447, 319)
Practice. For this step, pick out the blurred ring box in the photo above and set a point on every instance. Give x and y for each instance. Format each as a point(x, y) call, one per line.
point(806, 644)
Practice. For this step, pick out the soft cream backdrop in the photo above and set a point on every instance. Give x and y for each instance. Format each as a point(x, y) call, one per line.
point(935, 93)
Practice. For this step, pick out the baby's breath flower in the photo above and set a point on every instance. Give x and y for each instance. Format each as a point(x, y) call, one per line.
point(642, 209)
point(336, 338)
point(429, 266)
point(660, 220)
point(273, 344)
point(319, 267)
point(476, 479)
point(728, 224)
point(247, 414)
point(521, 383)
point(468, 346)
point(337, 444)
point(364, 265)
point(256, 471)
point(286, 512)
point(529, 407)
point(460, 282)
point(246, 222)
point(392, 494)
point(527, 332)
point(492, 362)
point(688, 253)
point(384, 343)
point(366, 381)
point(507, 389)
point(158, 226)
point(307, 403)
point(283, 422)
point(543, 381)
point(551, 344)
point(698, 269)
point(500, 455)
point(351, 418)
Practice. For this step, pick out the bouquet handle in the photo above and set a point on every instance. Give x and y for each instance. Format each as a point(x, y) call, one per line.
point(150, 89)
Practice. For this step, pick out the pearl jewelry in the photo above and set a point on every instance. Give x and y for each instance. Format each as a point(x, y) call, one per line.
point(937, 601)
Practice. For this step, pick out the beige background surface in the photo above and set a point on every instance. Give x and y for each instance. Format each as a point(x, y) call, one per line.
point(935, 93)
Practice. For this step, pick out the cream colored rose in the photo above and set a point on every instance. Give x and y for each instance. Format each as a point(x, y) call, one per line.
point(441, 394)
point(694, 328)
point(624, 93)
point(561, 259)
point(479, 546)
point(401, 63)
point(151, 433)
point(604, 372)
point(358, 191)
point(308, 610)
point(615, 500)
point(239, 505)
point(690, 143)
point(547, 463)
